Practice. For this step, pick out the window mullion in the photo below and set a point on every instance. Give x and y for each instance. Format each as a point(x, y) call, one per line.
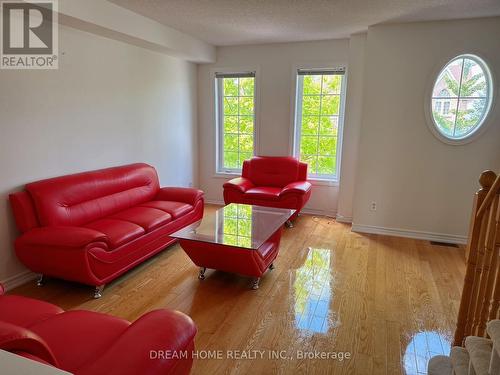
point(319, 123)
point(458, 99)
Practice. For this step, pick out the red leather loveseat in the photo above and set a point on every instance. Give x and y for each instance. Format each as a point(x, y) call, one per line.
point(272, 182)
point(92, 227)
point(89, 343)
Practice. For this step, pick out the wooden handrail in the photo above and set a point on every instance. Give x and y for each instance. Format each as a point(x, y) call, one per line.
point(493, 190)
point(480, 298)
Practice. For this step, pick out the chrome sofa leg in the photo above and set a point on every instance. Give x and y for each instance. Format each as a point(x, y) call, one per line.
point(271, 267)
point(289, 224)
point(40, 281)
point(98, 291)
point(201, 275)
point(255, 283)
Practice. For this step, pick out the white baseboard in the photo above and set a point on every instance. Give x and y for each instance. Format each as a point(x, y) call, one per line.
point(17, 280)
point(344, 219)
point(312, 211)
point(419, 235)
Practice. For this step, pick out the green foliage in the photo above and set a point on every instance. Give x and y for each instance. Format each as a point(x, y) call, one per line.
point(237, 225)
point(332, 84)
point(309, 145)
point(326, 165)
point(310, 105)
point(246, 143)
point(320, 110)
point(443, 123)
point(328, 125)
point(238, 121)
point(231, 142)
point(312, 84)
point(466, 119)
point(327, 146)
point(230, 106)
point(246, 124)
point(330, 105)
point(231, 159)
point(230, 86)
point(247, 86)
point(244, 156)
point(230, 124)
point(311, 160)
point(310, 125)
point(246, 105)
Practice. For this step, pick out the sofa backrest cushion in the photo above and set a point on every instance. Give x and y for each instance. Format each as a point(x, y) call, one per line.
point(24, 211)
point(273, 170)
point(84, 197)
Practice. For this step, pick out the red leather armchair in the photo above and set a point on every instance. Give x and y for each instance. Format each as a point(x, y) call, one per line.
point(92, 227)
point(272, 182)
point(86, 343)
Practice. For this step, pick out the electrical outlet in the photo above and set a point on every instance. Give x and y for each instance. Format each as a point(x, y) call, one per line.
point(373, 206)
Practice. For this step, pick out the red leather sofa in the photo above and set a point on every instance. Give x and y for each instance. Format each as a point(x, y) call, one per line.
point(89, 343)
point(272, 182)
point(92, 227)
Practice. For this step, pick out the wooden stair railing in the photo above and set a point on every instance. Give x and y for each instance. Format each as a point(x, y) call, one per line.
point(480, 300)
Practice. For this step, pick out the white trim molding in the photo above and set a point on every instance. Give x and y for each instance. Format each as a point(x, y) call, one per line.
point(415, 234)
point(343, 219)
point(17, 280)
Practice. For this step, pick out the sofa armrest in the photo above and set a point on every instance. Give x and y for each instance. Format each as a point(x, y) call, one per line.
point(15, 338)
point(298, 187)
point(72, 237)
point(180, 194)
point(2, 289)
point(241, 184)
point(146, 345)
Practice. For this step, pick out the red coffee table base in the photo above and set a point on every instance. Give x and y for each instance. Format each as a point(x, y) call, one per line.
point(247, 262)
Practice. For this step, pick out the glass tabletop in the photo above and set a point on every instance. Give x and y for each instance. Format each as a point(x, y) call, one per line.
point(239, 225)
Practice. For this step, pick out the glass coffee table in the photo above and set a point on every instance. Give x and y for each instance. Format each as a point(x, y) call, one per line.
point(238, 238)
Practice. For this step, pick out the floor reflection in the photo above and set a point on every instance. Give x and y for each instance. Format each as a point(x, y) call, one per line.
point(313, 292)
point(422, 347)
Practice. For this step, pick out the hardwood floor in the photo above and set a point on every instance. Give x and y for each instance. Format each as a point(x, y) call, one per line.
point(389, 302)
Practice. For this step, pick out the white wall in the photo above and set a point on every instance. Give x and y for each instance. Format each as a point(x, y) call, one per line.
point(275, 64)
point(420, 184)
point(108, 104)
point(352, 126)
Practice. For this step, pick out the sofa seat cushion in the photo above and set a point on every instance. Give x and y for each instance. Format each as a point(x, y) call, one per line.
point(118, 232)
point(175, 209)
point(24, 311)
point(87, 333)
point(264, 192)
point(146, 217)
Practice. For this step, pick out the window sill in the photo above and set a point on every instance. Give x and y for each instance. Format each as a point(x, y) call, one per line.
point(227, 175)
point(322, 182)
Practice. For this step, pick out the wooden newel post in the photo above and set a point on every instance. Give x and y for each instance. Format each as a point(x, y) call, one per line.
point(486, 181)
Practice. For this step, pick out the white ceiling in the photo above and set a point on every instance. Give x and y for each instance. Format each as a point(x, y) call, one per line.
point(233, 22)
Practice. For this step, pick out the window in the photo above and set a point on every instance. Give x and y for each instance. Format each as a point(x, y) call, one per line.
point(437, 107)
point(236, 120)
point(464, 87)
point(318, 121)
point(446, 108)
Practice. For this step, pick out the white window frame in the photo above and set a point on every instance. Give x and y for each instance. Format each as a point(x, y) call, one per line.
point(297, 123)
point(219, 118)
point(491, 107)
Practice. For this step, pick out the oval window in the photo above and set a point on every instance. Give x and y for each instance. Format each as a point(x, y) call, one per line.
point(461, 97)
